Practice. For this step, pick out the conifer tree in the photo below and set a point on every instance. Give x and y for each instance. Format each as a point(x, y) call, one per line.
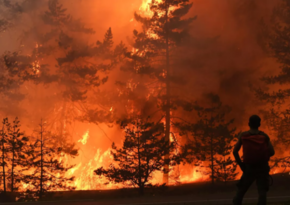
point(63, 60)
point(17, 144)
point(275, 95)
point(210, 138)
point(4, 150)
point(225, 169)
point(163, 31)
point(48, 171)
point(141, 154)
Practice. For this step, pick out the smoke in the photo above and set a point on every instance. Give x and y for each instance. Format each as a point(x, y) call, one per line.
point(226, 52)
point(224, 56)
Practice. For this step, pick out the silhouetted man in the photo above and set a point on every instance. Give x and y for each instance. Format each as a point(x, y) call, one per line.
point(257, 150)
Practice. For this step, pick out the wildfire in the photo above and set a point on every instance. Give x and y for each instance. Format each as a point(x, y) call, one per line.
point(145, 7)
point(85, 178)
point(36, 63)
point(84, 172)
point(84, 138)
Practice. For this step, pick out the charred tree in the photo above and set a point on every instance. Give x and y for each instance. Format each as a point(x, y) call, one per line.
point(141, 155)
point(164, 30)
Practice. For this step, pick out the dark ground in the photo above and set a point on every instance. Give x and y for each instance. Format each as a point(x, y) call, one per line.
point(186, 194)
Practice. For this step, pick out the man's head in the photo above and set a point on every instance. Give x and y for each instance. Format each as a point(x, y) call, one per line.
point(254, 122)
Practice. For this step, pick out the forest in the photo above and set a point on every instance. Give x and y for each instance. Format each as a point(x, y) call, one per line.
point(99, 95)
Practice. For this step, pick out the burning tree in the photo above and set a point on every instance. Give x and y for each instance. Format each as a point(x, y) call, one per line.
point(165, 30)
point(8, 14)
point(211, 139)
point(62, 64)
point(47, 165)
point(13, 156)
point(141, 155)
point(276, 93)
point(17, 147)
point(4, 151)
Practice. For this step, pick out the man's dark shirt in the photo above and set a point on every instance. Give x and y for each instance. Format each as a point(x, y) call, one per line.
point(239, 144)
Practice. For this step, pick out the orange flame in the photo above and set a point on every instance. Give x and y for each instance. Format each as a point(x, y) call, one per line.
point(84, 138)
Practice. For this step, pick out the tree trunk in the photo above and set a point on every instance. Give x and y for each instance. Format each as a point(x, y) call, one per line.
point(141, 190)
point(41, 160)
point(13, 157)
point(3, 158)
point(139, 160)
point(167, 112)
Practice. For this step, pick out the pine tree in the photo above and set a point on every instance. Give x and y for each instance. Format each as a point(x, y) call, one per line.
point(16, 143)
point(4, 150)
point(225, 169)
point(163, 31)
point(209, 138)
point(64, 60)
point(140, 156)
point(48, 169)
point(275, 94)
point(9, 12)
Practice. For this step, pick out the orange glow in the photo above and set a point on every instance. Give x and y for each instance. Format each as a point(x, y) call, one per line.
point(84, 138)
point(91, 158)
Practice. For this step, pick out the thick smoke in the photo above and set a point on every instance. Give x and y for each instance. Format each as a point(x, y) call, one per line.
point(224, 57)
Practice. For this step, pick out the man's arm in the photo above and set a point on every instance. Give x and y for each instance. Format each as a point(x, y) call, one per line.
point(237, 148)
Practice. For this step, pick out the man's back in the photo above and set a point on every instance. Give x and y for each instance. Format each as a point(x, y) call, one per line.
point(257, 147)
point(257, 150)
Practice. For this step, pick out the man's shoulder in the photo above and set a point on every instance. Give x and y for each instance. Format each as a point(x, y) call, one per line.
point(251, 132)
point(264, 134)
point(244, 133)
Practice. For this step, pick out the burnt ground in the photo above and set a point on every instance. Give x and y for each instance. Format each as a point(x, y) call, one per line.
point(185, 194)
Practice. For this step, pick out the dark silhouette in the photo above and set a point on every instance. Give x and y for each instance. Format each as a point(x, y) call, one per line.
point(141, 155)
point(48, 171)
point(163, 34)
point(211, 138)
point(257, 150)
point(4, 151)
point(274, 39)
point(17, 145)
